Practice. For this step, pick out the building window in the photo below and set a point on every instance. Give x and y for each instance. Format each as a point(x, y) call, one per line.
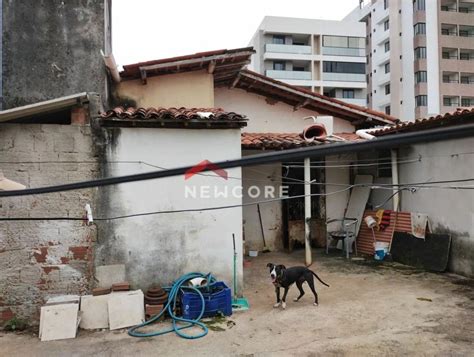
point(343, 42)
point(279, 65)
point(298, 69)
point(465, 56)
point(385, 4)
point(343, 67)
point(419, 5)
point(467, 102)
point(386, 25)
point(387, 89)
point(420, 28)
point(421, 100)
point(451, 101)
point(387, 46)
point(420, 52)
point(420, 77)
point(387, 110)
point(348, 93)
point(278, 39)
point(387, 67)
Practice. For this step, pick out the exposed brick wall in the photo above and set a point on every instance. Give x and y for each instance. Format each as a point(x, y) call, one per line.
point(39, 259)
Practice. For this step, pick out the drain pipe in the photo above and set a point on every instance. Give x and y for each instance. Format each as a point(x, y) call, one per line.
point(364, 134)
point(307, 211)
point(396, 193)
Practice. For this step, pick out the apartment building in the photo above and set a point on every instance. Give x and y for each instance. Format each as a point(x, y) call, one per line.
point(327, 57)
point(420, 55)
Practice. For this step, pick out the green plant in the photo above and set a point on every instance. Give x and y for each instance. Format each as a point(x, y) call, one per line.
point(15, 324)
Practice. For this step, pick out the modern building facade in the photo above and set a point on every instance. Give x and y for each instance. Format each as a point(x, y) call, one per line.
point(420, 55)
point(327, 57)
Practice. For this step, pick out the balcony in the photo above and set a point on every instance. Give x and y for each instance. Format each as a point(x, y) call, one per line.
point(344, 51)
point(356, 101)
point(298, 75)
point(296, 49)
point(343, 77)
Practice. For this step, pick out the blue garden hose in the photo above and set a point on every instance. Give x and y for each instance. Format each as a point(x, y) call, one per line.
point(170, 306)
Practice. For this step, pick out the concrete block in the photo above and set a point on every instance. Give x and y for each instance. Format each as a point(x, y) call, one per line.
point(58, 322)
point(63, 299)
point(126, 309)
point(94, 312)
point(107, 275)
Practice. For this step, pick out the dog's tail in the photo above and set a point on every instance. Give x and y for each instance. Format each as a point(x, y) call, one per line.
point(317, 277)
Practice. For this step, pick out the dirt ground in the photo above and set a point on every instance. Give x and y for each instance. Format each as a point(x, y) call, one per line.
point(369, 310)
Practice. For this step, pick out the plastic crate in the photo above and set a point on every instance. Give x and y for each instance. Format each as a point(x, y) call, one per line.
point(217, 298)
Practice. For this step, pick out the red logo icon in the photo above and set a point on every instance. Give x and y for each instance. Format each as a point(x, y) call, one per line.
point(205, 165)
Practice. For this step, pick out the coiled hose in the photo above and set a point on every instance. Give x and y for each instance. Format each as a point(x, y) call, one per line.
point(171, 307)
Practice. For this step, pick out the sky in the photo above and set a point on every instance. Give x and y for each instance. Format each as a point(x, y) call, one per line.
point(152, 29)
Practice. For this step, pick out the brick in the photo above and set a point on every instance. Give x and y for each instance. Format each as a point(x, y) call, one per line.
point(48, 269)
point(79, 116)
point(6, 315)
point(79, 253)
point(40, 254)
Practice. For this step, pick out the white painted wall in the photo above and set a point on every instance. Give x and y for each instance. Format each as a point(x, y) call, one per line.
point(271, 212)
point(449, 211)
point(158, 249)
point(268, 116)
point(432, 54)
point(336, 203)
point(408, 57)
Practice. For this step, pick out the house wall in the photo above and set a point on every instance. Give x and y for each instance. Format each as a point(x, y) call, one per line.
point(336, 203)
point(189, 89)
point(449, 211)
point(39, 259)
point(271, 212)
point(157, 249)
point(266, 115)
point(52, 49)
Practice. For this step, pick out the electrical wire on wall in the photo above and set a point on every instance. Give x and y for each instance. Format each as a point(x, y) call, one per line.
point(411, 187)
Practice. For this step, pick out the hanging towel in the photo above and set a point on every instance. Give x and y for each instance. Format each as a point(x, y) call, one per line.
point(383, 219)
point(419, 223)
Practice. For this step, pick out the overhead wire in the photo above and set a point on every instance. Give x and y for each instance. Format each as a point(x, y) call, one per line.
point(402, 187)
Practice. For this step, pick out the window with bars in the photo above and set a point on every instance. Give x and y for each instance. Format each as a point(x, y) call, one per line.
point(420, 52)
point(420, 28)
point(421, 77)
point(421, 100)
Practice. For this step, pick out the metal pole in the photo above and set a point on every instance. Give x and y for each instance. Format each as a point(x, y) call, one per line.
point(307, 211)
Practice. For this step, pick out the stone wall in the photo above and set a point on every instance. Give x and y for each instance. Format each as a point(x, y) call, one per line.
point(42, 258)
point(51, 49)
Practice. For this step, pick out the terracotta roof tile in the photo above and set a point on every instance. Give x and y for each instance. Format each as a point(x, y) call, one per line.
point(281, 141)
point(459, 116)
point(192, 118)
point(179, 114)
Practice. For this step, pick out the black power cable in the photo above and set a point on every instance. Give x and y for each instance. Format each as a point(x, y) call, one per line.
point(390, 141)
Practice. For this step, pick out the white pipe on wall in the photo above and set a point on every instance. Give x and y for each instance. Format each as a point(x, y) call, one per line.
point(307, 211)
point(396, 197)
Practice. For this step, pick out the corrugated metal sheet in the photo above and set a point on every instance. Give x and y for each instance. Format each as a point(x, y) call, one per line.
point(399, 221)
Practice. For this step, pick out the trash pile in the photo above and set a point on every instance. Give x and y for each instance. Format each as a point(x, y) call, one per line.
point(114, 306)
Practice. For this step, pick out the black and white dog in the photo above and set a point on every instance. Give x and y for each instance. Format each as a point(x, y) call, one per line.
point(284, 278)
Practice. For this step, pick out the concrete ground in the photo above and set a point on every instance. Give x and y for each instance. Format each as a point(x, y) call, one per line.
point(369, 310)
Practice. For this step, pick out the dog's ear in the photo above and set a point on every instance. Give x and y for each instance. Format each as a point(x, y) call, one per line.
point(282, 266)
point(270, 265)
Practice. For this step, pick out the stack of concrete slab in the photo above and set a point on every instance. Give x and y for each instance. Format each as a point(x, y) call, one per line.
point(116, 310)
point(59, 318)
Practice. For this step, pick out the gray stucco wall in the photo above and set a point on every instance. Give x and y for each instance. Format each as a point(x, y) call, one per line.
point(39, 259)
point(51, 48)
point(450, 211)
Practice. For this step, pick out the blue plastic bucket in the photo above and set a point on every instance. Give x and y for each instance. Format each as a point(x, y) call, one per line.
point(381, 250)
point(217, 299)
